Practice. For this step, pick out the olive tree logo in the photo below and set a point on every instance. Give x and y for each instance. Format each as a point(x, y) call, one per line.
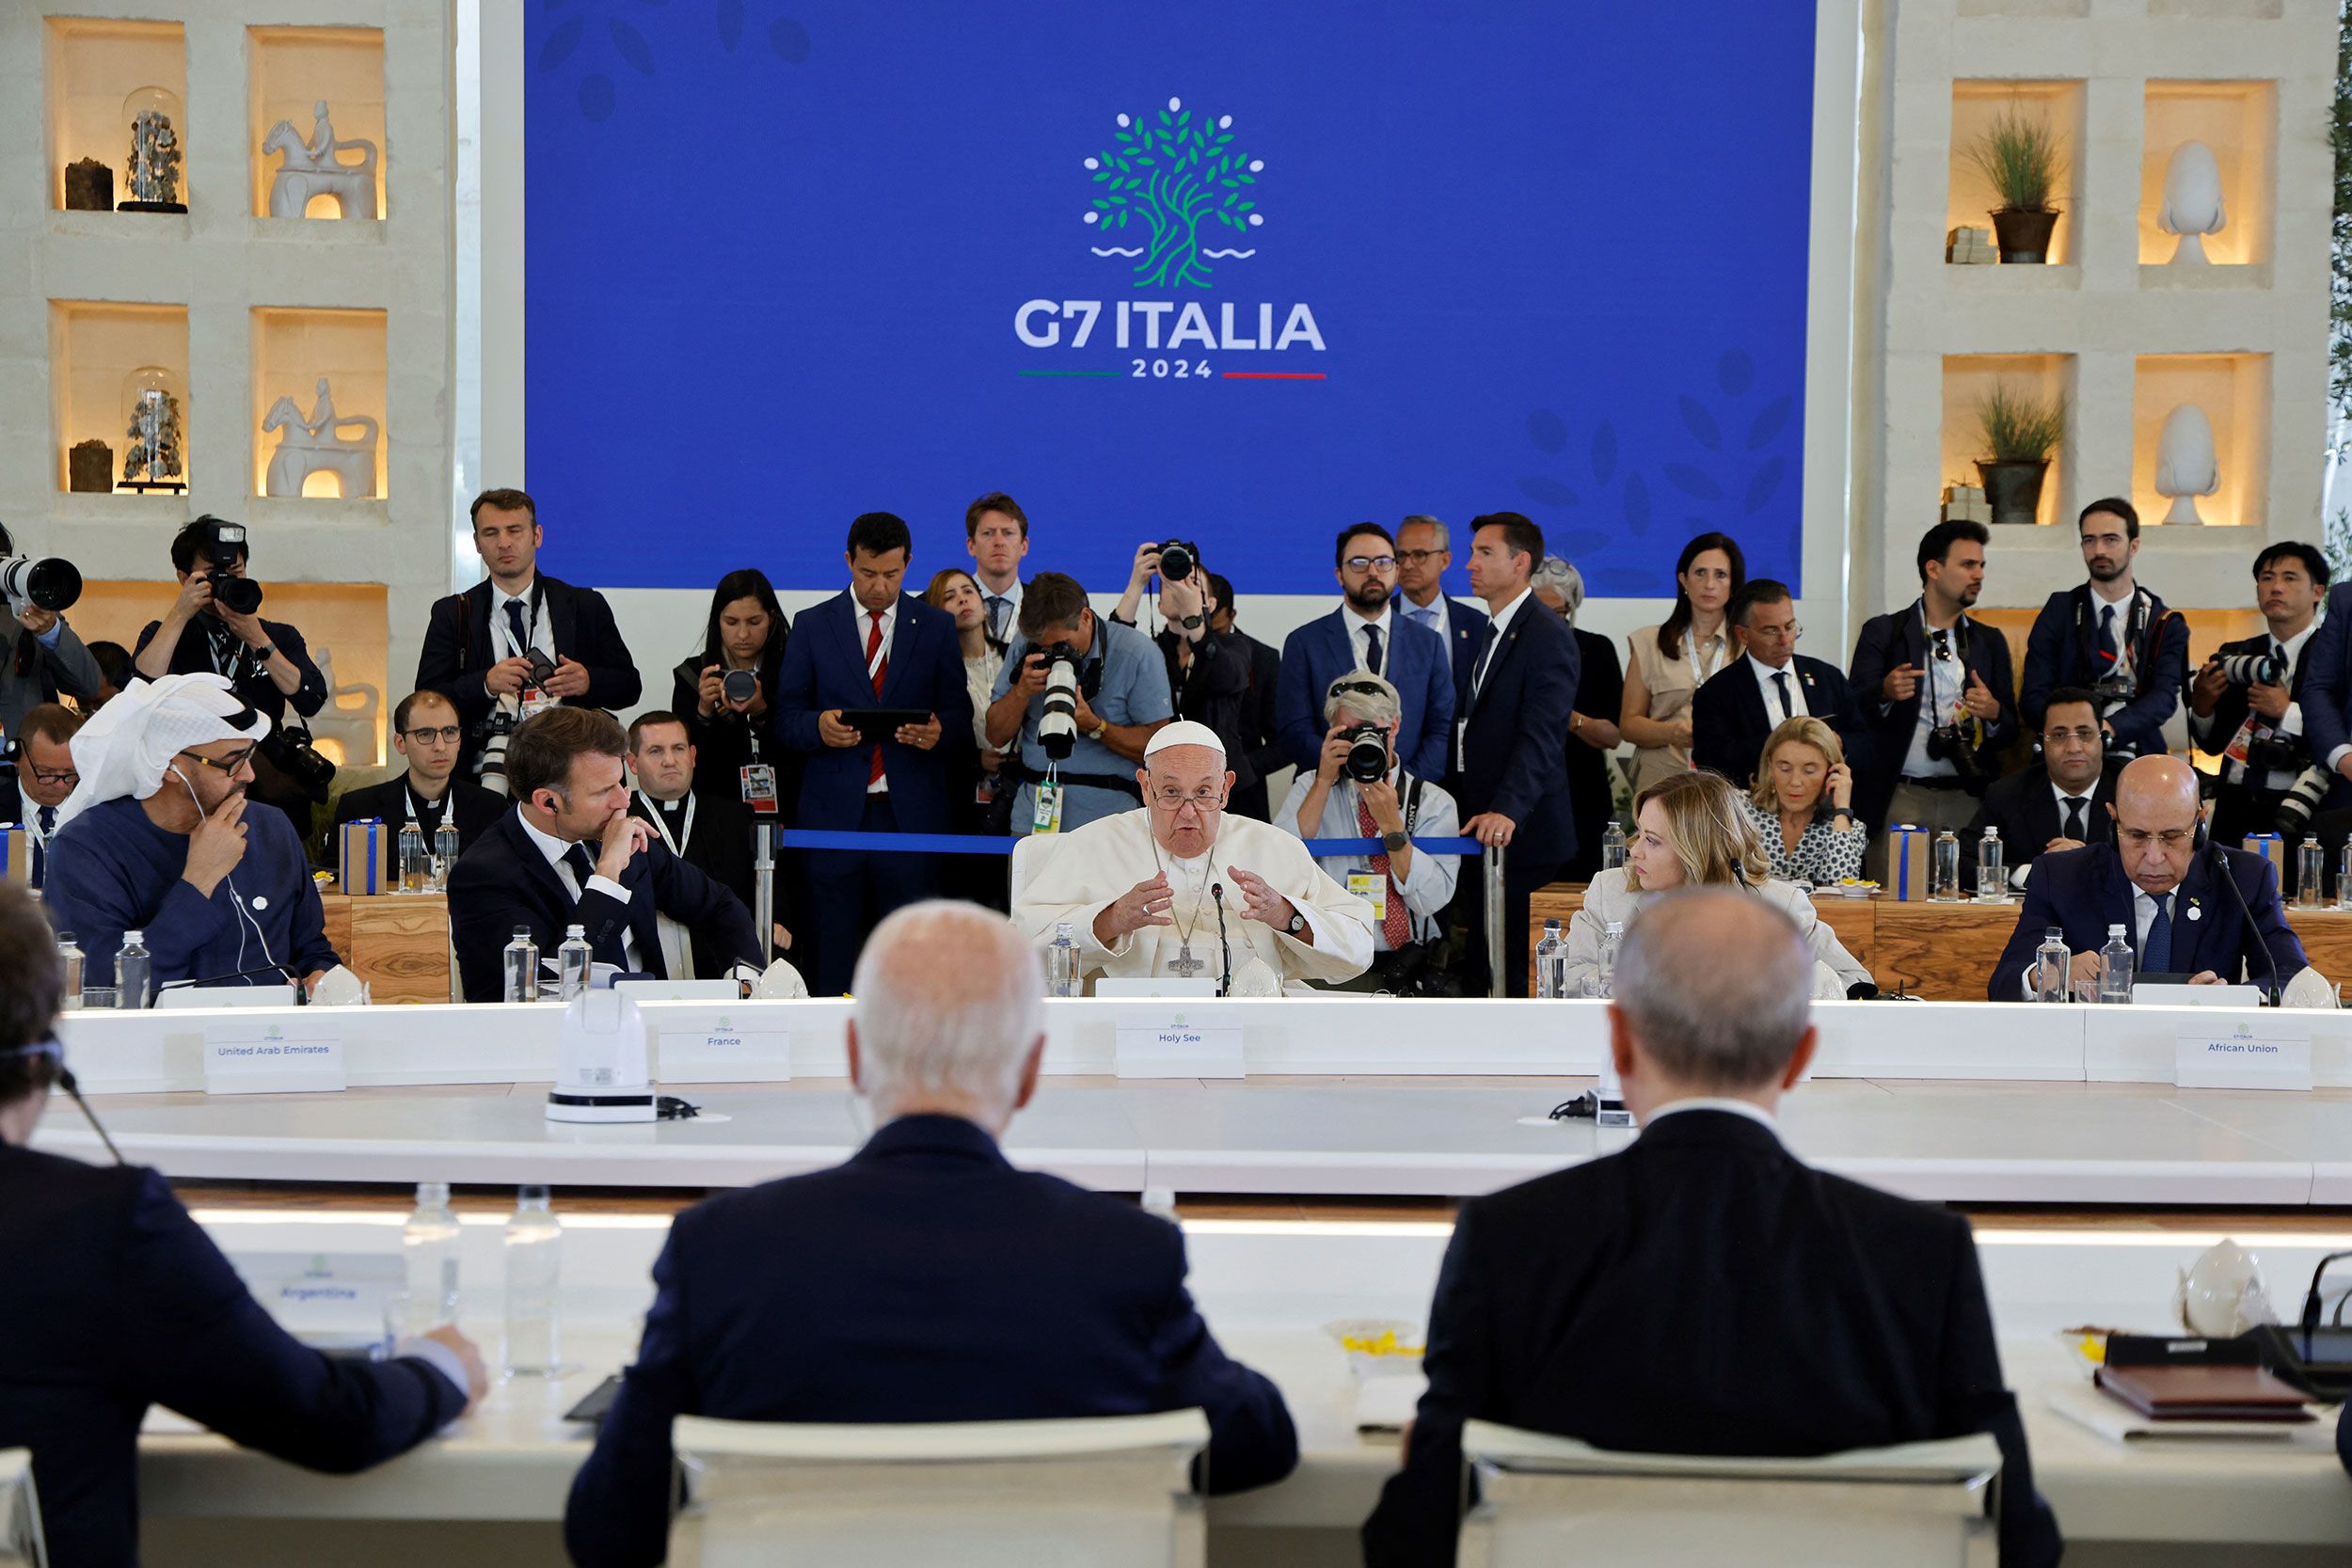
point(1168, 180)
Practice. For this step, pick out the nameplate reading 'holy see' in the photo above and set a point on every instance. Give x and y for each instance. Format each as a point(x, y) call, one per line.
point(1165, 1045)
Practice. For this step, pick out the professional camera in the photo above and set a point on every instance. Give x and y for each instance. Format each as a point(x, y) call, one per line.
point(1367, 754)
point(498, 731)
point(1057, 725)
point(739, 686)
point(2302, 798)
point(223, 543)
point(2263, 668)
point(2277, 754)
point(2113, 689)
point(45, 584)
point(290, 750)
point(1178, 558)
point(1956, 744)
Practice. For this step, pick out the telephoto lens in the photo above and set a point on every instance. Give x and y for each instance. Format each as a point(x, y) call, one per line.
point(2261, 669)
point(1058, 724)
point(45, 584)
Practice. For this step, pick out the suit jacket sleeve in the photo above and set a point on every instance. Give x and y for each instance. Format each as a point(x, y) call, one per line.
point(313, 951)
point(621, 1501)
point(441, 663)
point(1419, 1512)
point(202, 1345)
point(1430, 757)
point(71, 665)
point(797, 701)
point(1295, 707)
point(310, 696)
point(2038, 915)
point(485, 907)
point(1873, 657)
point(2141, 721)
point(2002, 733)
point(2046, 647)
point(1538, 758)
point(951, 700)
point(1251, 1442)
point(2271, 930)
point(1269, 757)
point(1711, 747)
point(706, 908)
point(2326, 685)
point(1975, 1398)
point(612, 678)
point(2214, 733)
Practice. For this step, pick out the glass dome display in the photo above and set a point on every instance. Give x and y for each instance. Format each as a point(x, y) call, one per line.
point(151, 118)
point(154, 415)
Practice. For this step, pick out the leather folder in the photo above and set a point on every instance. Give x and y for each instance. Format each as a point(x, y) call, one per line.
point(2204, 1393)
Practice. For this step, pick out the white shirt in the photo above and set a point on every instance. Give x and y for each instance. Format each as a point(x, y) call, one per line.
point(1429, 880)
point(542, 630)
point(1764, 683)
point(1942, 684)
point(1012, 623)
point(678, 943)
point(555, 850)
point(865, 631)
point(2024, 869)
point(1439, 612)
point(1502, 624)
point(1747, 1108)
point(1358, 643)
point(2101, 604)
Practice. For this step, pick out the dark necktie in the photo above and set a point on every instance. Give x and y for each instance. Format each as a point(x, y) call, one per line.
point(2156, 954)
point(48, 816)
point(1780, 684)
point(2108, 651)
point(1372, 648)
point(583, 865)
point(2075, 820)
point(1486, 656)
point(997, 605)
point(515, 624)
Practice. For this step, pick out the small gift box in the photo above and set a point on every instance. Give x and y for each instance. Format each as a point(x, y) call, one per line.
point(2272, 847)
point(1907, 849)
point(16, 852)
point(364, 850)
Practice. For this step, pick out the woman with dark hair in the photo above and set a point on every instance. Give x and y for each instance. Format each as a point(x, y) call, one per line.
point(1673, 659)
point(983, 804)
point(746, 634)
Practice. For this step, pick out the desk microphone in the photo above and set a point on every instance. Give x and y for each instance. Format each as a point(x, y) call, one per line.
point(280, 971)
point(1225, 981)
point(65, 1082)
point(2269, 959)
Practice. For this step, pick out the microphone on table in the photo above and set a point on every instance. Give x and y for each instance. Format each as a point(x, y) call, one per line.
point(2247, 913)
point(1225, 981)
point(281, 971)
point(65, 1082)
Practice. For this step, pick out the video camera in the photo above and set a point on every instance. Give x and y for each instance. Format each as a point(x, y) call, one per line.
point(223, 543)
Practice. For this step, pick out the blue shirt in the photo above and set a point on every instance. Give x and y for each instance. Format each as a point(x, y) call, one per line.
point(1134, 691)
point(112, 869)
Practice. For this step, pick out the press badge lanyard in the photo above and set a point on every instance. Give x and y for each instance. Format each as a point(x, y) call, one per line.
point(653, 809)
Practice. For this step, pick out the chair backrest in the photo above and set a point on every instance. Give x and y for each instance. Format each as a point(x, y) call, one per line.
point(1114, 1491)
point(1547, 1501)
point(1029, 854)
point(20, 1512)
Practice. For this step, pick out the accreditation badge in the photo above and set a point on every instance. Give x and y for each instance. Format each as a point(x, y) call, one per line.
point(759, 788)
point(1047, 817)
point(1373, 888)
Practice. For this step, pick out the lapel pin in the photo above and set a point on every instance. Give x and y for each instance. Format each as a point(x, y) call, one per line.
point(2194, 911)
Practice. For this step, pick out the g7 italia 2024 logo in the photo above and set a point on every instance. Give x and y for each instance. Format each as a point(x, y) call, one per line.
point(1173, 198)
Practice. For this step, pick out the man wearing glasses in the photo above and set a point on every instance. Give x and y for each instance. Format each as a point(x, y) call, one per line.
point(45, 773)
point(1366, 633)
point(1742, 703)
point(157, 838)
point(428, 733)
point(2162, 883)
point(1423, 551)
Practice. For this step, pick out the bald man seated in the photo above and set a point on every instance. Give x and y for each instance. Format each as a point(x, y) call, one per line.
point(2163, 883)
point(1705, 1291)
point(927, 1279)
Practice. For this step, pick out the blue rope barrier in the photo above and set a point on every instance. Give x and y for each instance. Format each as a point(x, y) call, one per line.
point(980, 843)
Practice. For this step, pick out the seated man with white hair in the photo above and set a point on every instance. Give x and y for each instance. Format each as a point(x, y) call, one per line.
point(1705, 1291)
point(1179, 888)
point(927, 1279)
point(1408, 891)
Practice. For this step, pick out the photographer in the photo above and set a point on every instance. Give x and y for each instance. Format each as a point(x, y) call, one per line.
point(2111, 637)
point(1365, 632)
point(215, 627)
point(40, 659)
point(1208, 670)
point(726, 694)
point(1264, 752)
point(1359, 790)
point(1120, 696)
point(2246, 706)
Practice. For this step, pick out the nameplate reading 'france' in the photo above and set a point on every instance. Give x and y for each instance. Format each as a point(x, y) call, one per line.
point(721, 1045)
point(1170, 1046)
point(2242, 1057)
point(270, 1058)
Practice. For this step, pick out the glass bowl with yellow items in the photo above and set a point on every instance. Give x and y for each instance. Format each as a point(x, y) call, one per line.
point(1378, 1347)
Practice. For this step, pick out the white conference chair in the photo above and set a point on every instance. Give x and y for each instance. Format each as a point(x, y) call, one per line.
point(1545, 1500)
point(1029, 854)
point(1114, 1492)
point(20, 1512)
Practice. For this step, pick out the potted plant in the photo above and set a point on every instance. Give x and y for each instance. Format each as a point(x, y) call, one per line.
point(2018, 156)
point(2020, 433)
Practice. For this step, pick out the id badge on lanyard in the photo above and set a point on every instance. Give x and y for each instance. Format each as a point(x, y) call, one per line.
point(759, 788)
point(1047, 817)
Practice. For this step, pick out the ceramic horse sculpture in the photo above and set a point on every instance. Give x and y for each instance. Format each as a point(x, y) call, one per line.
point(311, 169)
point(312, 445)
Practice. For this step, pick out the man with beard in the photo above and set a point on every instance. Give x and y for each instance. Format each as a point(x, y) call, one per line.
point(1367, 633)
point(2110, 636)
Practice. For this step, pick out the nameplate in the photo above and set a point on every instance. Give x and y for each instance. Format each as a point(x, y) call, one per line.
point(2242, 1056)
point(720, 1044)
point(323, 1291)
point(271, 1058)
point(1176, 1045)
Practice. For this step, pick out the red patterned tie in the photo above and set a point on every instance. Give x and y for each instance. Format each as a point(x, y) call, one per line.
point(1395, 923)
point(876, 666)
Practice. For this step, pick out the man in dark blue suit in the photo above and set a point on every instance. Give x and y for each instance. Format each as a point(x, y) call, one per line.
point(1366, 633)
point(928, 1279)
point(872, 646)
point(1510, 773)
point(570, 854)
point(1742, 703)
point(2110, 636)
point(1423, 551)
point(2326, 695)
point(2162, 883)
point(114, 1299)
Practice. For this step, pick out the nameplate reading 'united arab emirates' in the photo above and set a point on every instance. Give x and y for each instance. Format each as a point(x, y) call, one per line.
point(271, 1058)
point(1170, 1045)
point(720, 1044)
point(2243, 1056)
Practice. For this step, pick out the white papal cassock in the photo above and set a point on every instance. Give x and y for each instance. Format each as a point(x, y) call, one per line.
point(1087, 871)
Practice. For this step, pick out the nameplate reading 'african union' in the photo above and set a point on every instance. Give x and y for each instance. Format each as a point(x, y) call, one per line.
point(1167, 1046)
point(2242, 1056)
point(721, 1045)
point(270, 1058)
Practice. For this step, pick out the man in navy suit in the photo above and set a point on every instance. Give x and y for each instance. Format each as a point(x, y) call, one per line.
point(115, 1299)
point(2111, 636)
point(1705, 1291)
point(1742, 703)
point(2327, 697)
point(1366, 633)
point(1511, 773)
point(570, 854)
point(1423, 551)
point(2162, 883)
point(928, 1279)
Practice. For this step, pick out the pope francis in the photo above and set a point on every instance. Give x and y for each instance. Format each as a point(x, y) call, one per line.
point(1143, 890)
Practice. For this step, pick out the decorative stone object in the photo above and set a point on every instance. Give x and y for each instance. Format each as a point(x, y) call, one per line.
point(1970, 248)
point(308, 169)
point(90, 186)
point(1965, 503)
point(2186, 465)
point(311, 446)
point(2192, 201)
point(89, 467)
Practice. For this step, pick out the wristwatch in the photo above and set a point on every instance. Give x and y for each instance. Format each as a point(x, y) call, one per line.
point(1190, 623)
point(1396, 841)
point(1298, 922)
point(264, 651)
point(1102, 727)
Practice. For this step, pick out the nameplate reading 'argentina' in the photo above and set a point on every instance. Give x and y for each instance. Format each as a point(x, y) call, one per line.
point(270, 1058)
point(2240, 1057)
point(1162, 1046)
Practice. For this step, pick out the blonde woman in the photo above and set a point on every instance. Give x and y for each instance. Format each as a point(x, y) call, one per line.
point(1803, 805)
point(1691, 829)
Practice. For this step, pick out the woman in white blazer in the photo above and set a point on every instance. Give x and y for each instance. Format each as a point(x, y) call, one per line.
point(1688, 830)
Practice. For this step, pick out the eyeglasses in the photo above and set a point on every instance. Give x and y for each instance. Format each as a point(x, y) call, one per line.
point(1367, 562)
point(2171, 838)
point(2084, 733)
point(1414, 558)
point(1202, 802)
point(1789, 633)
point(225, 764)
point(447, 734)
point(56, 775)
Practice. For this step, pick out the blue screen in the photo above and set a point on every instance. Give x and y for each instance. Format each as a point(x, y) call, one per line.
point(1345, 261)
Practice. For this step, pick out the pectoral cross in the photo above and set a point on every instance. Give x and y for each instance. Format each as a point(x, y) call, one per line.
point(1184, 965)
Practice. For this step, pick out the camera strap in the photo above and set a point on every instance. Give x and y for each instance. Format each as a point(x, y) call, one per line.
point(502, 635)
point(2128, 650)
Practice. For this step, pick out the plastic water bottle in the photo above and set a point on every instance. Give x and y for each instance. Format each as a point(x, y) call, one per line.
point(133, 970)
point(69, 956)
point(1613, 847)
point(534, 1251)
point(1551, 963)
point(2343, 877)
point(2310, 864)
point(2115, 966)
point(1944, 884)
point(1612, 939)
point(522, 967)
point(2055, 967)
point(444, 854)
point(1992, 875)
point(1061, 961)
point(414, 873)
point(428, 1251)
point(571, 963)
